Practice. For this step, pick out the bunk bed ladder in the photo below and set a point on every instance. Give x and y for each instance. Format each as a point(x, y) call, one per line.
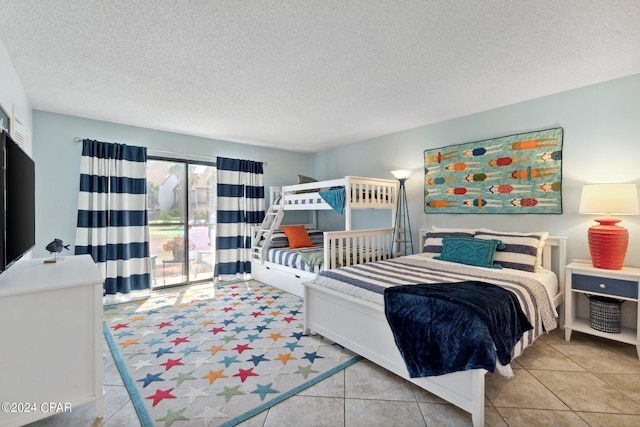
point(271, 222)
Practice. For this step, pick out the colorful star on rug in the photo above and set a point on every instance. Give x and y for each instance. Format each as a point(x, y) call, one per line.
point(216, 355)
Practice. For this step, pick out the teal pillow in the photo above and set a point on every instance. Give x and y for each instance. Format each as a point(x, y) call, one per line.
point(470, 251)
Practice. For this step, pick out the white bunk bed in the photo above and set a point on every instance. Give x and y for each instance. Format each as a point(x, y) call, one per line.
point(345, 247)
point(361, 326)
point(360, 193)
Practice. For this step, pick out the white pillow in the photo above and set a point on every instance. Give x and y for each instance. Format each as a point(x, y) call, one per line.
point(454, 230)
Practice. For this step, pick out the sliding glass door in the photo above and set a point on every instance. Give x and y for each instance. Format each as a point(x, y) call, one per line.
point(181, 204)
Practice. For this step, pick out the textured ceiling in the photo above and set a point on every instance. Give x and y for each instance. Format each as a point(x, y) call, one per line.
point(309, 75)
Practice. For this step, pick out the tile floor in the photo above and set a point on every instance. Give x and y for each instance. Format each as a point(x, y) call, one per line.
point(585, 382)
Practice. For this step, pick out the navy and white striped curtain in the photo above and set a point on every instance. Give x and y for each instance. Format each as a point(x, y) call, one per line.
point(240, 205)
point(112, 214)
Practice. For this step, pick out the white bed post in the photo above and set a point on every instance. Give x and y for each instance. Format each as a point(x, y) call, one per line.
point(350, 192)
point(477, 399)
point(305, 302)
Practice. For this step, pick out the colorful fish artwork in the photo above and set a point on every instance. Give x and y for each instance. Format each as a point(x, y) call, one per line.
point(507, 175)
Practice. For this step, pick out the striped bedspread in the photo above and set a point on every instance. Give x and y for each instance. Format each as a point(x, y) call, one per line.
point(368, 281)
point(292, 258)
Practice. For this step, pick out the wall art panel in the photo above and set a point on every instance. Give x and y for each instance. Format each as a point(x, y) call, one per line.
point(507, 175)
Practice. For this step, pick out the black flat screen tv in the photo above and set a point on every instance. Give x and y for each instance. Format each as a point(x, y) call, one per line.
point(17, 207)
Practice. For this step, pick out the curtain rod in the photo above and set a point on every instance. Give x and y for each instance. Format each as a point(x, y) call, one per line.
point(77, 140)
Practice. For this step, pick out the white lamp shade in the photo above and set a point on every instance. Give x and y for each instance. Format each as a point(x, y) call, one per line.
point(401, 173)
point(618, 199)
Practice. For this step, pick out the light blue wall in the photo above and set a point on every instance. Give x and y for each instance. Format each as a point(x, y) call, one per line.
point(57, 160)
point(601, 144)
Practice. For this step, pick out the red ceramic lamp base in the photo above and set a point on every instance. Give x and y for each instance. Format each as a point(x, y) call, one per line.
point(608, 244)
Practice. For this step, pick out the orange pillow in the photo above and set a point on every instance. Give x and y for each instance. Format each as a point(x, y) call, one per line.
point(297, 235)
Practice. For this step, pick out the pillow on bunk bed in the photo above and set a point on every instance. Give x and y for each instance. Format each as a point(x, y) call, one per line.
point(316, 237)
point(305, 180)
point(433, 240)
point(470, 251)
point(523, 251)
point(297, 235)
point(279, 240)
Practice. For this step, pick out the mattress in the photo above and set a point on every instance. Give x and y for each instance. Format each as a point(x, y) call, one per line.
point(308, 199)
point(368, 281)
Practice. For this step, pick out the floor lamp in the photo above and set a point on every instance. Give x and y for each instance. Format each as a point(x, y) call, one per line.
point(402, 239)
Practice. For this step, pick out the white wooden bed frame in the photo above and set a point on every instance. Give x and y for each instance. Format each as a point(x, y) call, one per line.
point(360, 193)
point(362, 327)
point(366, 245)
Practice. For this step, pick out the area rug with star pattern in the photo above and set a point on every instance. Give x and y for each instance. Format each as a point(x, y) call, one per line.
point(216, 355)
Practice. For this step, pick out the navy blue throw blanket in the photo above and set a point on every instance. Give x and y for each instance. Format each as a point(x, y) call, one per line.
point(443, 328)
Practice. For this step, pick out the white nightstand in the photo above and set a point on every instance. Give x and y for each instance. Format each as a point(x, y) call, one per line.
point(583, 278)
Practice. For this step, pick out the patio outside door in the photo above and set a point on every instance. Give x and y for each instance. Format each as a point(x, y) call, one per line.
point(181, 205)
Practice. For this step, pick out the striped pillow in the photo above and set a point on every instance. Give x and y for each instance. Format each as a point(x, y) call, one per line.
point(433, 241)
point(279, 240)
point(316, 237)
point(523, 251)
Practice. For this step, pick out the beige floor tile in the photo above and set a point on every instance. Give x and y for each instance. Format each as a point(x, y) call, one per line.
point(543, 356)
point(112, 375)
point(583, 391)
point(629, 385)
point(521, 391)
point(599, 358)
point(610, 420)
point(423, 396)
point(256, 420)
point(622, 349)
point(126, 416)
point(492, 418)
point(307, 411)
point(368, 413)
point(116, 397)
point(81, 416)
point(366, 380)
point(446, 414)
point(557, 337)
point(332, 386)
point(516, 417)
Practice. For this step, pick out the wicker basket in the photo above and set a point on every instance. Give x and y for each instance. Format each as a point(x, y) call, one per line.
point(605, 314)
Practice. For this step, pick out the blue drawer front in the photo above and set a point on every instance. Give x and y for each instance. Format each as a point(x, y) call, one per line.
point(614, 287)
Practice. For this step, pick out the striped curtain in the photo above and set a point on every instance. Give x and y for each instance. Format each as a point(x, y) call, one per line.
point(240, 205)
point(112, 214)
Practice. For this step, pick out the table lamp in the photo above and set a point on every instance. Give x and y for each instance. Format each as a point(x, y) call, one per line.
point(608, 241)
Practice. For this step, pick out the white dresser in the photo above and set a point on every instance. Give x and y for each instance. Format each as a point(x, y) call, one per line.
point(50, 339)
